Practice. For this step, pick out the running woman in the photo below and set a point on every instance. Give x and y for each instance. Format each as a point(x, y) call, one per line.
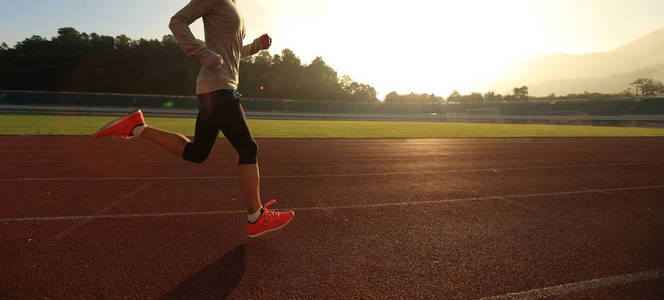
point(219, 104)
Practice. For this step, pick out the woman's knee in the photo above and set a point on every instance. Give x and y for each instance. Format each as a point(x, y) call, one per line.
point(248, 153)
point(194, 153)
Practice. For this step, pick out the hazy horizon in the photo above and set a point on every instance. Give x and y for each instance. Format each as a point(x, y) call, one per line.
point(420, 46)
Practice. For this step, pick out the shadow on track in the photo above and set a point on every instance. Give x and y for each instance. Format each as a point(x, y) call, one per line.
point(216, 281)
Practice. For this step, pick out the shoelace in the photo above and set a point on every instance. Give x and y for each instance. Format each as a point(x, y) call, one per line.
point(270, 213)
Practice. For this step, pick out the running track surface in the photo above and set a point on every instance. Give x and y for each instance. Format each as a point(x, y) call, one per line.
point(446, 219)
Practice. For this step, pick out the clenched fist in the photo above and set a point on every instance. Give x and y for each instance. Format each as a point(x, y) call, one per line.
point(266, 41)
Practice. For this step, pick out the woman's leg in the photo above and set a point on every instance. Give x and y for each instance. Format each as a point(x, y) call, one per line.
point(250, 183)
point(234, 126)
point(170, 141)
point(181, 146)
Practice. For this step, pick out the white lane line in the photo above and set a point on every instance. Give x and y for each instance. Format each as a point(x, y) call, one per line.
point(324, 208)
point(492, 170)
point(328, 159)
point(637, 188)
point(120, 178)
point(581, 286)
point(67, 151)
point(65, 162)
point(104, 209)
point(589, 189)
point(128, 216)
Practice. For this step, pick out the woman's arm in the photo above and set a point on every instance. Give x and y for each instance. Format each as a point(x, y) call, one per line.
point(260, 43)
point(179, 25)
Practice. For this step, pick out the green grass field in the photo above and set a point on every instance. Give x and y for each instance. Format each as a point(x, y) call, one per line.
point(88, 125)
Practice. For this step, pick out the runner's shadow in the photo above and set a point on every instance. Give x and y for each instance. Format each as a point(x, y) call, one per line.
point(216, 281)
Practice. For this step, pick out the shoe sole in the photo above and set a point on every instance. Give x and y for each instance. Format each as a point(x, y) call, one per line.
point(273, 229)
point(114, 122)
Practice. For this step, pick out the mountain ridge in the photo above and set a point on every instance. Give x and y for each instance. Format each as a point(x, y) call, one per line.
point(562, 73)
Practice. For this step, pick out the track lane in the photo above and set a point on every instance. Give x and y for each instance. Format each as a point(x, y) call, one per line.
point(457, 249)
point(81, 197)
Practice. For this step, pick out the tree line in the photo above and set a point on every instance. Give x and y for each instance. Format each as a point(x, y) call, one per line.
point(643, 87)
point(75, 61)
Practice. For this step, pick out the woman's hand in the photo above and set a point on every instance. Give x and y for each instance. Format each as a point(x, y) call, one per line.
point(212, 61)
point(266, 41)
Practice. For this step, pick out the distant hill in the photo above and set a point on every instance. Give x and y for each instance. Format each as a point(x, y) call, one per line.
point(610, 84)
point(606, 72)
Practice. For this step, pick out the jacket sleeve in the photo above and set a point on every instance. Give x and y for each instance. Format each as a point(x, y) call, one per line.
point(251, 49)
point(179, 25)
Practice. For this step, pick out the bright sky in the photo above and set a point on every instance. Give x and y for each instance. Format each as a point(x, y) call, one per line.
point(421, 46)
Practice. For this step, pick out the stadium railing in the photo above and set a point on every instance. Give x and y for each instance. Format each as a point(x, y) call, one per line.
point(609, 111)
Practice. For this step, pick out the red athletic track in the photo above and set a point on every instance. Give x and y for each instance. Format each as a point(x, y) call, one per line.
point(461, 218)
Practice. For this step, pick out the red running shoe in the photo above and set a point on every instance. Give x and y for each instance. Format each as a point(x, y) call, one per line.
point(270, 220)
point(121, 128)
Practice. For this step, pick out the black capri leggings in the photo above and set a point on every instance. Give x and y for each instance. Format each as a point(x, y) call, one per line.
point(221, 110)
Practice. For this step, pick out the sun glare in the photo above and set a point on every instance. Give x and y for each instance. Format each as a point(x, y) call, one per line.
point(427, 46)
point(421, 46)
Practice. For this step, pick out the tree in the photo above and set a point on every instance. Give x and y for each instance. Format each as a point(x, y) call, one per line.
point(289, 57)
point(75, 61)
point(263, 58)
point(393, 96)
point(290, 71)
point(474, 97)
point(413, 98)
point(4, 46)
point(169, 39)
point(122, 42)
point(454, 96)
point(321, 81)
point(364, 92)
point(626, 93)
point(492, 97)
point(648, 87)
point(520, 93)
point(358, 91)
point(101, 43)
point(68, 35)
